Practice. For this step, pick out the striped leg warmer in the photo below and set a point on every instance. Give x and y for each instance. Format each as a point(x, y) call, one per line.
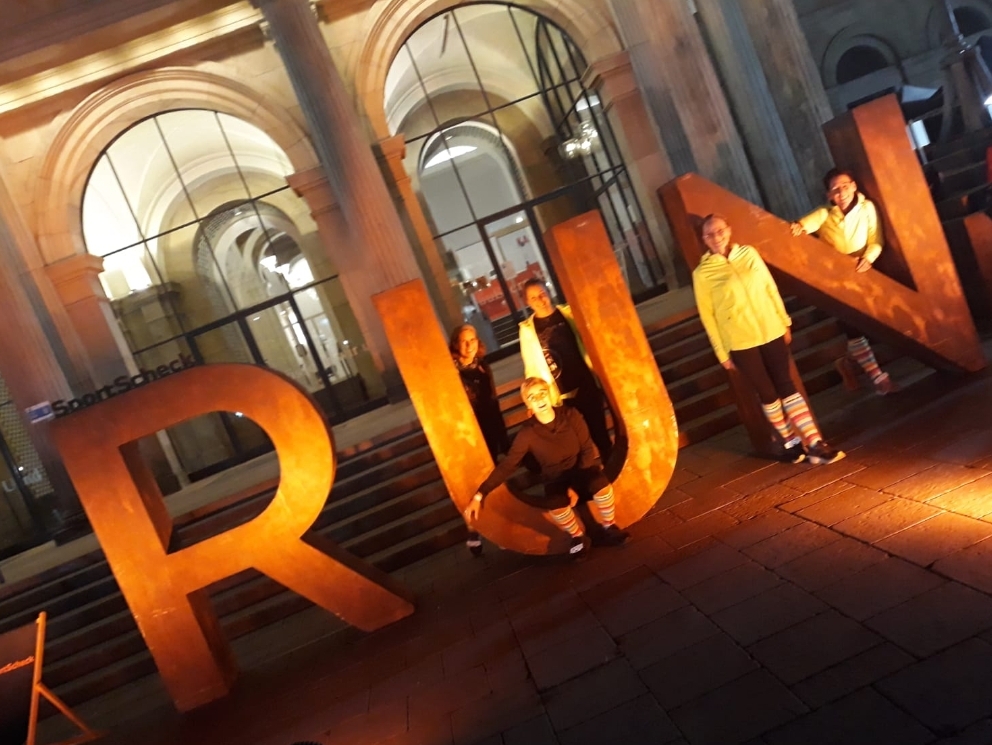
point(799, 415)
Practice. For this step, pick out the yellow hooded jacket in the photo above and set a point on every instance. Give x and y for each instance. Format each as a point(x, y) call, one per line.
point(738, 302)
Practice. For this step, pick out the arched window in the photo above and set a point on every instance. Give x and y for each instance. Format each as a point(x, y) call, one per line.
point(971, 20)
point(859, 61)
point(209, 253)
point(503, 142)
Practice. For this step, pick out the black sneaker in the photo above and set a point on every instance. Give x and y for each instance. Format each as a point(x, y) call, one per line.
point(793, 451)
point(820, 454)
point(579, 546)
point(613, 536)
point(474, 543)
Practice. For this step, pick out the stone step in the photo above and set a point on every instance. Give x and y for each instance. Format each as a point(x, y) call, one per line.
point(389, 506)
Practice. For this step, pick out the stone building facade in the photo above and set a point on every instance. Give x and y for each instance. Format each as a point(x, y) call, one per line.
point(211, 180)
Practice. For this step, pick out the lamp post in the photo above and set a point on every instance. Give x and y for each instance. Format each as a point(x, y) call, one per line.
point(967, 81)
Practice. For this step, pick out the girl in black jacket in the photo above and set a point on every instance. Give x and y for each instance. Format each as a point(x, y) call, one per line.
point(558, 439)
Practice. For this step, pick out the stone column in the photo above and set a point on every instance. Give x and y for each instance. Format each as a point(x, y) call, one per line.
point(647, 162)
point(683, 92)
point(31, 369)
point(796, 85)
point(775, 166)
point(333, 231)
point(77, 281)
point(438, 284)
point(380, 256)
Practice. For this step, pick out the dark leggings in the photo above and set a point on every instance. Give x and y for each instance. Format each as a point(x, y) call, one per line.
point(589, 402)
point(766, 368)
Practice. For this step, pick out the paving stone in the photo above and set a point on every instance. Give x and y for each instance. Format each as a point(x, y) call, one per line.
point(843, 506)
point(547, 624)
point(762, 478)
point(936, 538)
point(592, 694)
point(572, 656)
point(731, 587)
point(791, 544)
point(414, 678)
point(966, 449)
point(935, 481)
point(813, 645)
point(699, 504)
point(738, 711)
point(659, 639)
point(381, 722)
point(820, 476)
point(878, 587)
point(972, 566)
point(768, 613)
point(980, 733)
point(890, 471)
point(816, 496)
point(829, 564)
point(882, 521)
point(761, 501)
point(971, 499)
point(656, 523)
point(631, 600)
point(935, 619)
point(506, 672)
point(861, 718)
point(489, 642)
point(948, 691)
point(697, 669)
point(638, 722)
point(717, 476)
point(436, 732)
point(851, 674)
point(709, 561)
point(431, 702)
point(487, 717)
point(699, 527)
point(753, 530)
point(536, 731)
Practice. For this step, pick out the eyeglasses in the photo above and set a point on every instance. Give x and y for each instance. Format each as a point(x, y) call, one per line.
point(537, 396)
point(842, 187)
point(716, 233)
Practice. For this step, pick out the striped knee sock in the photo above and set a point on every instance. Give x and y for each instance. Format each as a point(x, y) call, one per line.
point(607, 506)
point(775, 415)
point(799, 415)
point(567, 521)
point(860, 350)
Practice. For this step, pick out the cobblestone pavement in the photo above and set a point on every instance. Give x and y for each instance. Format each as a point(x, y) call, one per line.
point(759, 602)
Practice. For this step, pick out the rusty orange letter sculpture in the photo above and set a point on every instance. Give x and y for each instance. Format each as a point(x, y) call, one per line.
point(584, 261)
point(930, 322)
point(166, 590)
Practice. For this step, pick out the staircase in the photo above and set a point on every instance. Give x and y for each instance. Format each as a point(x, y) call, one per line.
point(389, 507)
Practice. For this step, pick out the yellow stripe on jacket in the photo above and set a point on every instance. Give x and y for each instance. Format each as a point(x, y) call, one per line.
point(738, 301)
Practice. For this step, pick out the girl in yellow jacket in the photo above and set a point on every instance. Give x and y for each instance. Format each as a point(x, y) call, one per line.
point(850, 225)
point(746, 323)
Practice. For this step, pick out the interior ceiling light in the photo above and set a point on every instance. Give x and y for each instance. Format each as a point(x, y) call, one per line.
point(449, 153)
point(584, 144)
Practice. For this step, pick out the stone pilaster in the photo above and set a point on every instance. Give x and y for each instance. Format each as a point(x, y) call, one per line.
point(380, 256)
point(647, 162)
point(333, 231)
point(393, 152)
point(30, 367)
point(683, 92)
point(775, 166)
point(796, 88)
point(77, 282)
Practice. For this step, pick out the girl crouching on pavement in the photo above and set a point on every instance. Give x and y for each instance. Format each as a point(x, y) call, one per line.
point(558, 439)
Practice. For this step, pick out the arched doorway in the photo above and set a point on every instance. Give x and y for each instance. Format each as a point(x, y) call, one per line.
point(209, 254)
point(504, 141)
